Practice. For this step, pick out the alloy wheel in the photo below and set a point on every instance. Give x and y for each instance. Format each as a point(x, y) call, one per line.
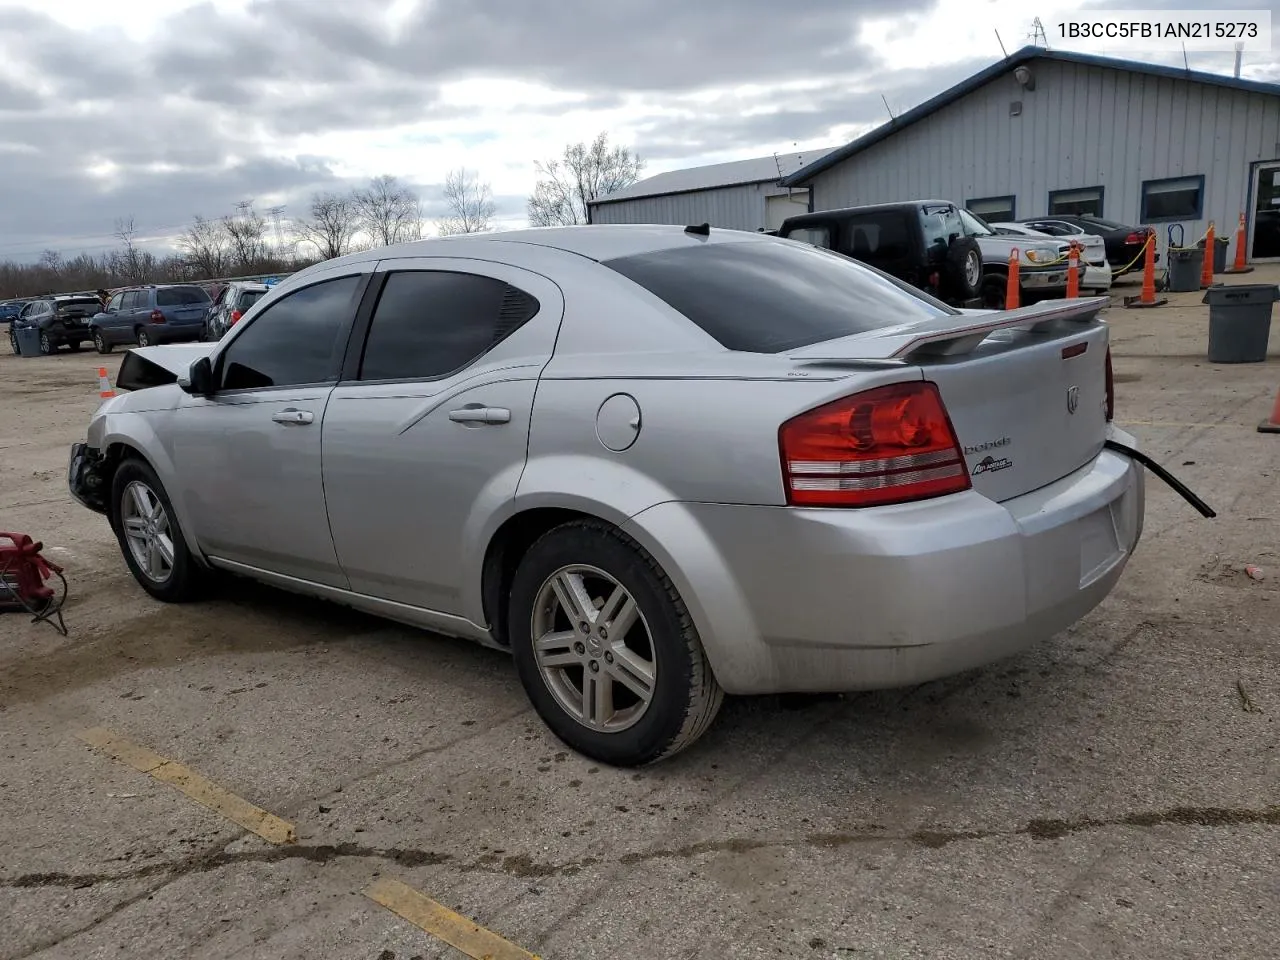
point(148, 531)
point(593, 648)
point(973, 269)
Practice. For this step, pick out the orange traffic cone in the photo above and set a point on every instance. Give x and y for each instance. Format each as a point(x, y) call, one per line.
point(104, 384)
point(1148, 298)
point(1240, 266)
point(1206, 273)
point(1013, 285)
point(1073, 271)
point(1272, 425)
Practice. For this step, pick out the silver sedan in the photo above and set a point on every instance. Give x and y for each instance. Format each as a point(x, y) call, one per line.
point(655, 464)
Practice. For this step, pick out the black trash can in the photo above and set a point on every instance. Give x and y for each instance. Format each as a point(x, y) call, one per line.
point(1240, 321)
point(1185, 267)
point(1220, 245)
point(28, 341)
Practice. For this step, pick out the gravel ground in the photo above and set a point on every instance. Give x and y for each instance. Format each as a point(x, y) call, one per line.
point(1114, 792)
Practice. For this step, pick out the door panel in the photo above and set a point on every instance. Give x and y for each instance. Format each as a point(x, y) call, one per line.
point(415, 470)
point(250, 472)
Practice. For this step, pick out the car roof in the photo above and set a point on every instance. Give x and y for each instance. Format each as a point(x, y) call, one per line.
point(592, 241)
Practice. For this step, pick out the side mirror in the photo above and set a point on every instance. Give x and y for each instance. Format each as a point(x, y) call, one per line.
point(199, 379)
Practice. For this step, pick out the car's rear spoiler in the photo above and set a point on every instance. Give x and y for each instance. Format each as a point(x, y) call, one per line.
point(947, 335)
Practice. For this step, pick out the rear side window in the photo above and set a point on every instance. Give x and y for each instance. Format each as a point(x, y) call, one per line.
point(766, 297)
point(248, 299)
point(299, 339)
point(181, 296)
point(429, 323)
point(817, 235)
point(880, 236)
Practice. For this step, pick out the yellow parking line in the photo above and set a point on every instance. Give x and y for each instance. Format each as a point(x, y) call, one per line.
point(236, 809)
point(441, 922)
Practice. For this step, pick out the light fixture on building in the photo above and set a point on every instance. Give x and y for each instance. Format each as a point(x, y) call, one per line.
point(1024, 77)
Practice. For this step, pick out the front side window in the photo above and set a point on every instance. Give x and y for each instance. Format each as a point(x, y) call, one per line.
point(113, 305)
point(430, 323)
point(770, 297)
point(300, 339)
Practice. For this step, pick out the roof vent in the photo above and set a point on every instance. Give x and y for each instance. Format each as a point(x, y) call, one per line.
point(700, 230)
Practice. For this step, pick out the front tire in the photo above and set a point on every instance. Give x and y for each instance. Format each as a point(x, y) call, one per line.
point(47, 346)
point(146, 528)
point(606, 649)
point(100, 342)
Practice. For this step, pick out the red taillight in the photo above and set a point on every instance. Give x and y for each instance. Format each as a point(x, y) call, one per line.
point(1111, 389)
point(1136, 237)
point(887, 445)
point(157, 316)
point(235, 316)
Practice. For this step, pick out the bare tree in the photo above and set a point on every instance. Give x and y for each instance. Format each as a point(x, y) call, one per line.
point(584, 173)
point(245, 232)
point(470, 204)
point(333, 224)
point(129, 261)
point(388, 211)
point(205, 245)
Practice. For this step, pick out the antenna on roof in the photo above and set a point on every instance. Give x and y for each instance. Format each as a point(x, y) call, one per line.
point(1001, 42)
point(777, 163)
point(887, 107)
point(1185, 64)
point(1038, 37)
point(1239, 55)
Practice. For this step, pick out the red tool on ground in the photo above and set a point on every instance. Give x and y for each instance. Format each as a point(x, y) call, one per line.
point(24, 577)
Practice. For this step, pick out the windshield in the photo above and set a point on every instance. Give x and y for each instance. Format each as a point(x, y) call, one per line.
point(1105, 224)
point(248, 299)
point(774, 296)
point(975, 225)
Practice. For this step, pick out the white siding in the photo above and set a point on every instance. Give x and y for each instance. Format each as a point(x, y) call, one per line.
point(1082, 126)
point(731, 208)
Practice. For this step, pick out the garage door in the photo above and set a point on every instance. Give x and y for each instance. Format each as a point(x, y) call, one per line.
point(777, 209)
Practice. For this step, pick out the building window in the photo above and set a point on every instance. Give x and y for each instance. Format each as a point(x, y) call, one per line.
point(1178, 198)
point(1082, 202)
point(994, 209)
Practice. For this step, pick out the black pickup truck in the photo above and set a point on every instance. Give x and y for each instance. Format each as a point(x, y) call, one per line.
point(936, 246)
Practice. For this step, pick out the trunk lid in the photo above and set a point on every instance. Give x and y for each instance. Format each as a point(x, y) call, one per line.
point(189, 314)
point(1025, 389)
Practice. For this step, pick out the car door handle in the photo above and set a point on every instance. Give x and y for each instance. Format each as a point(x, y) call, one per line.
point(480, 415)
point(292, 415)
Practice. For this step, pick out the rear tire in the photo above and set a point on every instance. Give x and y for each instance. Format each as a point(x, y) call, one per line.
point(146, 528)
point(100, 342)
point(658, 652)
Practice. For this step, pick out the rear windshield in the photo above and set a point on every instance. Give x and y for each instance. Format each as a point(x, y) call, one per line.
point(1104, 224)
point(248, 299)
point(80, 304)
point(766, 297)
point(180, 296)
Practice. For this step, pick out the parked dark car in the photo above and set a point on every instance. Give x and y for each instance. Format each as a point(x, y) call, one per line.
point(150, 315)
point(936, 246)
point(10, 309)
point(61, 319)
point(232, 302)
point(1124, 242)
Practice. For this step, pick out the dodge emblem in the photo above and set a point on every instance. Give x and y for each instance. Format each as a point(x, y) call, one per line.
point(1073, 399)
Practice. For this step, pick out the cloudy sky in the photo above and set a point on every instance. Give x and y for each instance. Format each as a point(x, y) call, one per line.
point(163, 109)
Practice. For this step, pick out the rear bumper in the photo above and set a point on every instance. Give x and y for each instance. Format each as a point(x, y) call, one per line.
point(1096, 277)
point(171, 332)
point(794, 600)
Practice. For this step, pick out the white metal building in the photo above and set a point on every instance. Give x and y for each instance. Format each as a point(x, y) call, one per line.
point(1046, 132)
point(741, 195)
